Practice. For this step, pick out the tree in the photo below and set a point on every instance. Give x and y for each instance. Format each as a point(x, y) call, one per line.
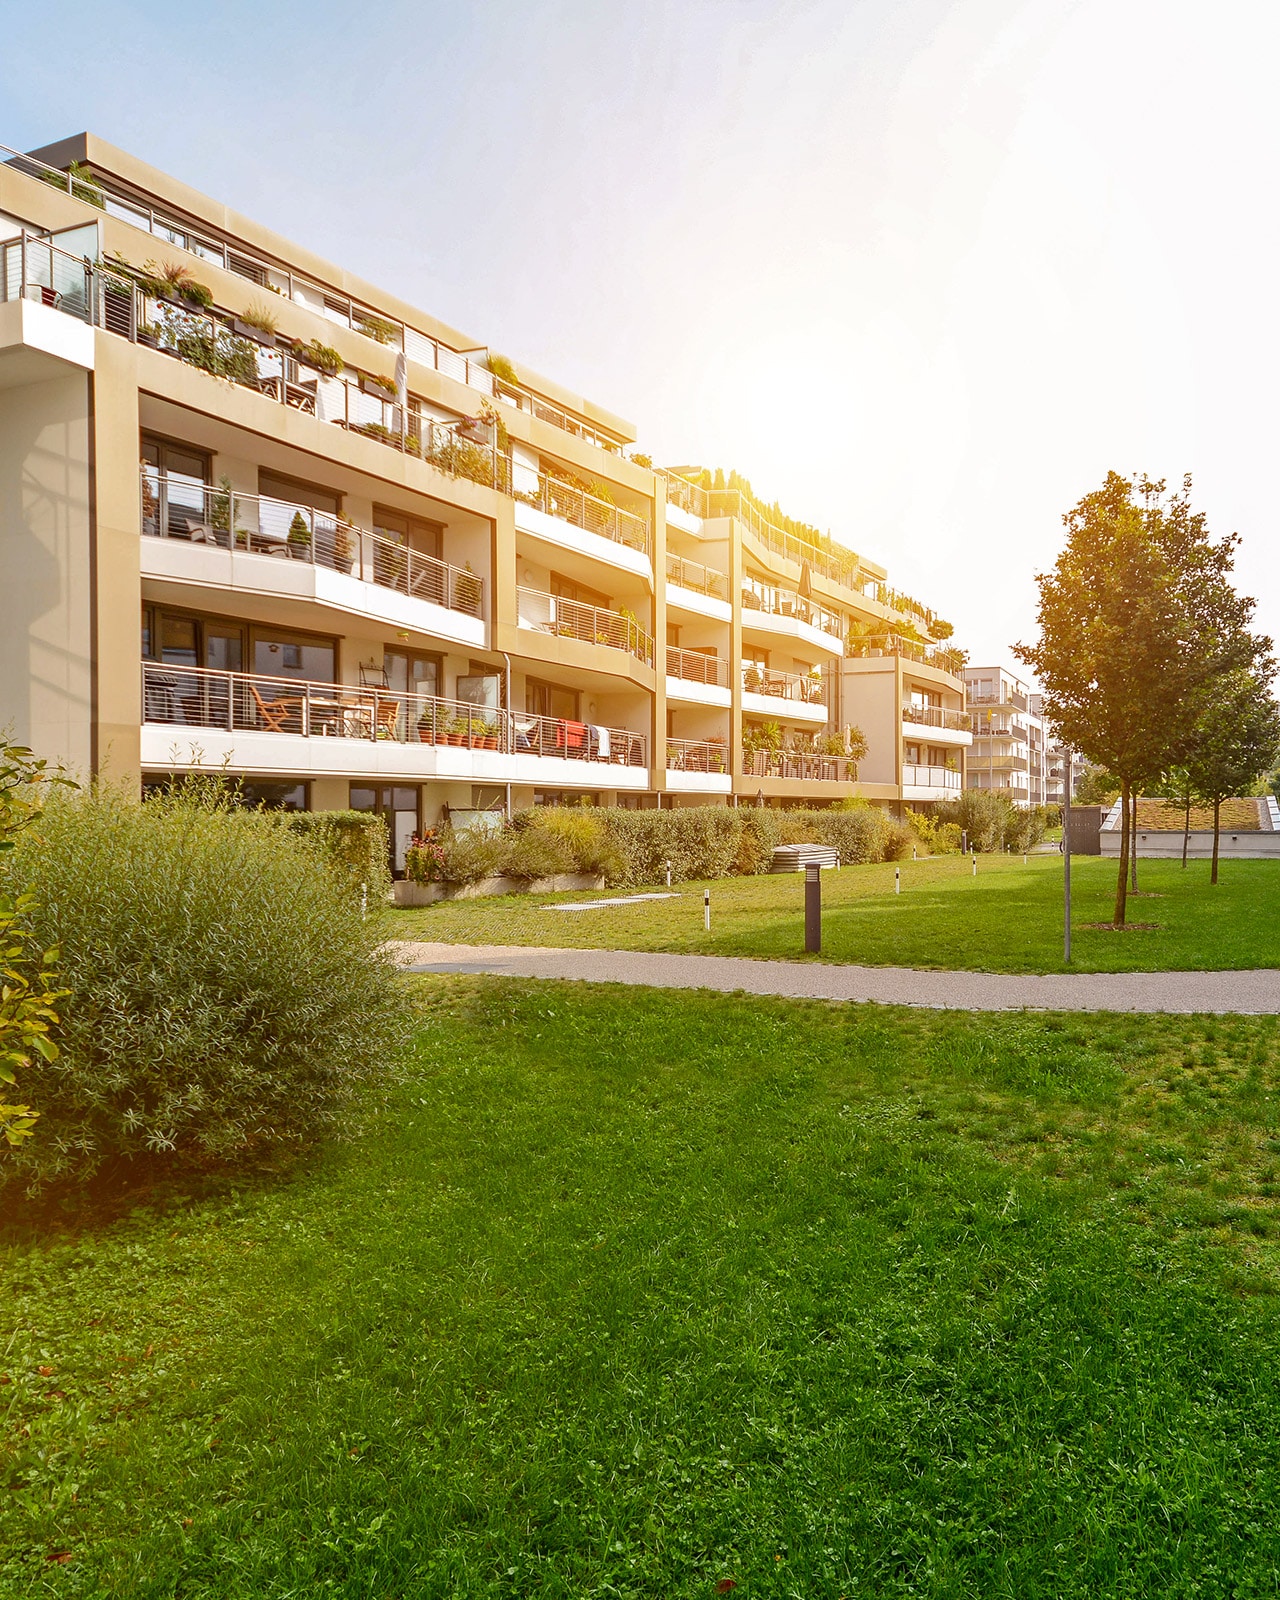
point(1096, 787)
point(1236, 737)
point(1137, 616)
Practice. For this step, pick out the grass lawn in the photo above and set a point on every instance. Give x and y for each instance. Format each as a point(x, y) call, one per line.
point(1007, 919)
point(627, 1293)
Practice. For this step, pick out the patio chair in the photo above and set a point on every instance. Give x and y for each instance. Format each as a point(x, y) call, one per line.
point(276, 713)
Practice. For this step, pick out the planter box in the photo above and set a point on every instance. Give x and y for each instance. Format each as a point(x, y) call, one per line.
point(246, 330)
point(378, 390)
point(426, 894)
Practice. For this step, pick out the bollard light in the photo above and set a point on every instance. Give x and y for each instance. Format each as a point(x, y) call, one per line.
point(706, 910)
point(897, 880)
point(812, 908)
point(975, 863)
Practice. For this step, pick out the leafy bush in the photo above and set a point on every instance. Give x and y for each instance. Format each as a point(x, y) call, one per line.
point(226, 995)
point(937, 837)
point(582, 834)
point(536, 853)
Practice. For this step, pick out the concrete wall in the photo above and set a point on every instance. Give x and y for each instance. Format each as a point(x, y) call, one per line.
point(1160, 846)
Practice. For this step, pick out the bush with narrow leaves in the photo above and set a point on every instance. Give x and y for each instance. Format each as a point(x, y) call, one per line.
point(226, 996)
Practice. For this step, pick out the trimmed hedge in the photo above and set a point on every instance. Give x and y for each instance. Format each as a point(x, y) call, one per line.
point(354, 841)
point(634, 847)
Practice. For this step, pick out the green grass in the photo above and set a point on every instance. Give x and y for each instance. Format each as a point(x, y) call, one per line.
point(1007, 919)
point(627, 1293)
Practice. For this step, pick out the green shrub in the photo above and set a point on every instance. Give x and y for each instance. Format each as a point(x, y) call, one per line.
point(535, 853)
point(937, 837)
point(580, 831)
point(225, 995)
point(353, 841)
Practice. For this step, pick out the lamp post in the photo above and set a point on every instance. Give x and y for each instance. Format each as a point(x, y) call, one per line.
point(1066, 858)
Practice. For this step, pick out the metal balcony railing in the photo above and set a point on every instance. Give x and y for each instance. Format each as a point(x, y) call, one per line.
point(691, 666)
point(693, 755)
point(570, 619)
point(937, 717)
point(798, 764)
point(782, 685)
point(929, 777)
point(694, 576)
point(588, 511)
point(329, 302)
point(196, 697)
point(174, 508)
point(777, 602)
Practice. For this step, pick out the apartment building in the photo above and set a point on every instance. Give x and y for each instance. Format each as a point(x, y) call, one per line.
point(1010, 753)
point(263, 518)
point(1058, 764)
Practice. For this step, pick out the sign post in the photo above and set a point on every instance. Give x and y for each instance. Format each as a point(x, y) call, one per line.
point(1066, 858)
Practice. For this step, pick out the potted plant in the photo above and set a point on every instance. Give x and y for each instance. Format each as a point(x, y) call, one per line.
point(343, 549)
point(322, 357)
point(458, 730)
point(466, 590)
point(751, 679)
point(380, 388)
point(489, 735)
point(377, 328)
point(177, 284)
point(258, 324)
point(299, 538)
point(429, 729)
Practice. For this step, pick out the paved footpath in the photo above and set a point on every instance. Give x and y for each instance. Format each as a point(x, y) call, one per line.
point(1254, 991)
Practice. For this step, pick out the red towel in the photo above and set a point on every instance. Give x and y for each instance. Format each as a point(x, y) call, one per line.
point(575, 734)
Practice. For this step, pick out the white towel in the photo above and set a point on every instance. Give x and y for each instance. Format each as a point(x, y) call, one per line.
point(602, 740)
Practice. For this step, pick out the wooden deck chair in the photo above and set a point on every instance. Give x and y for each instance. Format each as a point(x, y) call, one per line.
point(277, 713)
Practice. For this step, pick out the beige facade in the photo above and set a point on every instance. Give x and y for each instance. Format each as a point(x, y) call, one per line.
point(286, 526)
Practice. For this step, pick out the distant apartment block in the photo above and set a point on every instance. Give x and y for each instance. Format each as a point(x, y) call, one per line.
point(264, 518)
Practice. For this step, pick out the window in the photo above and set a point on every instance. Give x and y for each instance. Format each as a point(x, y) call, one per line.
point(911, 754)
point(410, 672)
point(566, 589)
point(283, 796)
point(425, 537)
point(279, 654)
point(398, 804)
point(550, 700)
point(298, 492)
point(174, 488)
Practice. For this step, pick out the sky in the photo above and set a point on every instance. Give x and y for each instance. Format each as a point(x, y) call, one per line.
point(922, 270)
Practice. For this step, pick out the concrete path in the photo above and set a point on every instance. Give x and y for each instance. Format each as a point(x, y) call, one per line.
point(1256, 991)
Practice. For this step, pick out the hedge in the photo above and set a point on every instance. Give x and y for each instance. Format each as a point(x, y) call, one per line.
point(355, 841)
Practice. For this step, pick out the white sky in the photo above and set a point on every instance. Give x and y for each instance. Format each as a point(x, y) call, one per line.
point(922, 270)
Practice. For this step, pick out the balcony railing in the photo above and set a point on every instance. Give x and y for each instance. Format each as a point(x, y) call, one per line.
point(570, 619)
point(798, 764)
point(693, 575)
point(776, 602)
point(588, 511)
point(1007, 697)
point(782, 685)
point(929, 777)
point(329, 302)
point(945, 657)
point(693, 667)
point(196, 697)
point(177, 509)
point(108, 298)
point(937, 717)
point(693, 755)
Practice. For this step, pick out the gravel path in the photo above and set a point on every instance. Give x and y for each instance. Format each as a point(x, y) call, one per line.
point(1255, 991)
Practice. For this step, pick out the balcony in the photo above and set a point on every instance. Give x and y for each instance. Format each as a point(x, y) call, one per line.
point(333, 305)
point(788, 695)
point(801, 764)
point(197, 717)
point(298, 377)
point(697, 678)
point(937, 717)
point(698, 766)
point(569, 619)
point(567, 503)
point(225, 519)
point(772, 610)
point(696, 578)
point(919, 776)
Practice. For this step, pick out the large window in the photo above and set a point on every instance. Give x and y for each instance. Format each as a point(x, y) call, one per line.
point(281, 654)
point(398, 806)
point(415, 532)
point(188, 639)
point(550, 700)
point(173, 489)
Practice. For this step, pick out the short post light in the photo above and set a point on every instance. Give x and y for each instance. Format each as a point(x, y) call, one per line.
point(812, 908)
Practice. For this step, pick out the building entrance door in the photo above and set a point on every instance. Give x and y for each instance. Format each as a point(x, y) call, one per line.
point(398, 805)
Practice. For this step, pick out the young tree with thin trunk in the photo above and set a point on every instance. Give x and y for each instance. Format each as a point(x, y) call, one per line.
point(1136, 617)
point(1237, 736)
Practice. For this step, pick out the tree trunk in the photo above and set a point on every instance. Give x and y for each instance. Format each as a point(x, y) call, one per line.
point(1133, 846)
point(1123, 878)
point(1217, 807)
point(1186, 830)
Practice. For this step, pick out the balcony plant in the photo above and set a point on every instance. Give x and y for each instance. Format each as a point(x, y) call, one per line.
point(379, 329)
point(752, 681)
point(322, 357)
point(299, 537)
point(466, 590)
point(79, 182)
point(178, 285)
point(376, 430)
point(489, 735)
point(257, 324)
point(343, 548)
point(380, 388)
point(502, 368)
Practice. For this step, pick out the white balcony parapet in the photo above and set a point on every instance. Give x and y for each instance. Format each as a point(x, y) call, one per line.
point(225, 518)
point(257, 710)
